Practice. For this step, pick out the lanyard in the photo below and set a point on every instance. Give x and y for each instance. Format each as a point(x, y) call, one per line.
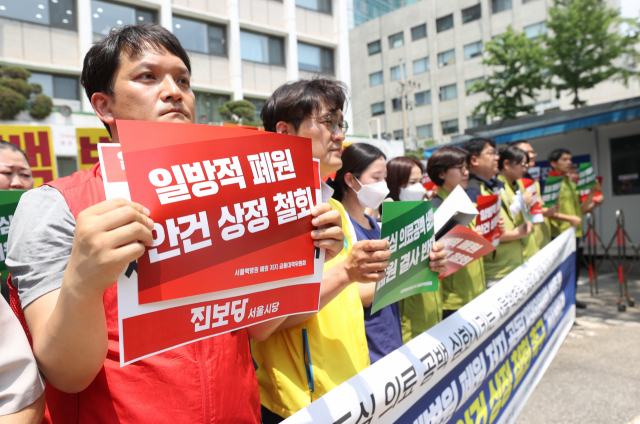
point(307, 362)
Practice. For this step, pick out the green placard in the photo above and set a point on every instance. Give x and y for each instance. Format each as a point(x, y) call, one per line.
point(408, 226)
point(586, 176)
point(8, 204)
point(551, 191)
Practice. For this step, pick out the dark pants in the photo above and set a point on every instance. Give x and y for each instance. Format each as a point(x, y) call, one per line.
point(269, 417)
point(446, 313)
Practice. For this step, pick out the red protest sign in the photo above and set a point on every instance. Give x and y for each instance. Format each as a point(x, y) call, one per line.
point(229, 212)
point(488, 217)
point(585, 193)
point(428, 184)
point(463, 246)
point(534, 210)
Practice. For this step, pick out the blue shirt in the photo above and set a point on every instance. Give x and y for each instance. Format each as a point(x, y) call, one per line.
point(383, 330)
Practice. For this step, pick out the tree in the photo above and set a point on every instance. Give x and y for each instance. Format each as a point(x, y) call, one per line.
point(240, 112)
point(588, 46)
point(518, 64)
point(16, 94)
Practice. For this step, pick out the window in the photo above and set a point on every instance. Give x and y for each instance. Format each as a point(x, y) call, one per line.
point(259, 104)
point(200, 37)
point(397, 104)
point(208, 106)
point(419, 32)
point(471, 14)
point(473, 50)
point(444, 23)
point(396, 40)
point(57, 86)
point(448, 92)
point(420, 66)
point(446, 58)
point(476, 121)
point(374, 47)
point(423, 98)
point(377, 109)
point(396, 74)
point(318, 5)
point(500, 5)
point(625, 165)
point(376, 79)
point(469, 83)
point(262, 48)
point(315, 59)
point(526, 1)
point(106, 16)
point(450, 127)
point(398, 135)
point(535, 30)
point(57, 13)
point(66, 166)
point(424, 131)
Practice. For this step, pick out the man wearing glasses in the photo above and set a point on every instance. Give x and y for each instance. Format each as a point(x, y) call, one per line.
point(483, 167)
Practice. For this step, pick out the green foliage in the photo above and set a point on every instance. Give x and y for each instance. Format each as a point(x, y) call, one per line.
point(11, 103)
point(518, 64)
point(41, 106)
point(588, 46)
point(238, 111)
point(19, 85)
point(36, 88)
point(15, 72)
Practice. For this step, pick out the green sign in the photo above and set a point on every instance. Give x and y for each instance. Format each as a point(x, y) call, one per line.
point(586, 176)
point(8, 204)
point(408, 226)
point(551, 191)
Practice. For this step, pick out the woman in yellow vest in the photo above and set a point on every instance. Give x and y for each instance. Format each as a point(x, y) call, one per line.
point(448, 168)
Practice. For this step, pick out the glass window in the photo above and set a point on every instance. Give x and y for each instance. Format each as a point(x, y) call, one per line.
point(314, 58)
point(500, 5)
point(535, 30)
point(420, 65)
point(444, 23)
point(200, 37)
point(450, 127)
point(208, 106)
point(398, 134)
point(259, 104)
point(446, 58)
point(396, 104)
point(374, 47)
point(376, 79)
point(262, 48)
point(396, 40)
point(58, 13)
point(319, 5)
point(377, 109)
point(424, 131)
point(419, 32)
point(473, 50)
point(526, 1)
point(472, 13)
point(66, 166)
point(625, 165)
point(423, 98)
point(469, 83)
point(45, 80)
point(396, 74)
point(473, 122)
point(57, 86)
point(106, 16)
point(448, 92)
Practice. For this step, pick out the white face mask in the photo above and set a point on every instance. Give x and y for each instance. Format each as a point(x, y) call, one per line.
point(372, 195)
point(414, 192)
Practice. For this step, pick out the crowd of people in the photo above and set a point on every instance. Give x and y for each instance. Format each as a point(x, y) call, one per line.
point(67, 245)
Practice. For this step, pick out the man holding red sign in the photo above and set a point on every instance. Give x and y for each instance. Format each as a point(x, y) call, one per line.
point(68, 245)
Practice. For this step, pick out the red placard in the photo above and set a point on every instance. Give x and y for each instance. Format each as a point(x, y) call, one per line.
point(463, 246)
point(230, 212)
point(596, 197)
point(535, 210)
point(428, 184)
point(488, 217)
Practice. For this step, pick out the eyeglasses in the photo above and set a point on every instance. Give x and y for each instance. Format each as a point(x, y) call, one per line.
point(494, 153)
point(525, 164)
point(331, 122)
point(462, 168)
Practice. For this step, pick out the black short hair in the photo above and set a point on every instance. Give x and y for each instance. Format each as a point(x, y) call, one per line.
point(556, 154)
point(294, 101)
point(513, 154)
point(5, 145)
point(355, 159)
point(476, 145)
point(103, 59)
point(443, 159)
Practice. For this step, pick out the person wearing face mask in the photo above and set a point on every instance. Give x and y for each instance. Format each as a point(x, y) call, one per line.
point(448, 168)
point(422, 311)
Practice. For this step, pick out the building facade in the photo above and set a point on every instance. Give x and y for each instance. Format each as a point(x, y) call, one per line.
point(239, 49)
point(432, 51)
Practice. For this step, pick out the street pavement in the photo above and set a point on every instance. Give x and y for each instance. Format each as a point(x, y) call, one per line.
point(595, 377)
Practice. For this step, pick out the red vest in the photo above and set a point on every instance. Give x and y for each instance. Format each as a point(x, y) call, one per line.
point(209, 381)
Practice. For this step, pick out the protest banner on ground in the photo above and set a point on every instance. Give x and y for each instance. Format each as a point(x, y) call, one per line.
point(8, 203)
point(408, 227)
point(488, 217)
point(37, 143)
point(535, 211)
point(148, 329)
point(480, 365)
point(228, 212)
point(87, 142)
point(463, 246)
point(551, 190)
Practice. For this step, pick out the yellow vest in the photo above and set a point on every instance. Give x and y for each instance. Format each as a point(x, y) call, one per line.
point(568, 204)
point(337, 346)
point(529, 244)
